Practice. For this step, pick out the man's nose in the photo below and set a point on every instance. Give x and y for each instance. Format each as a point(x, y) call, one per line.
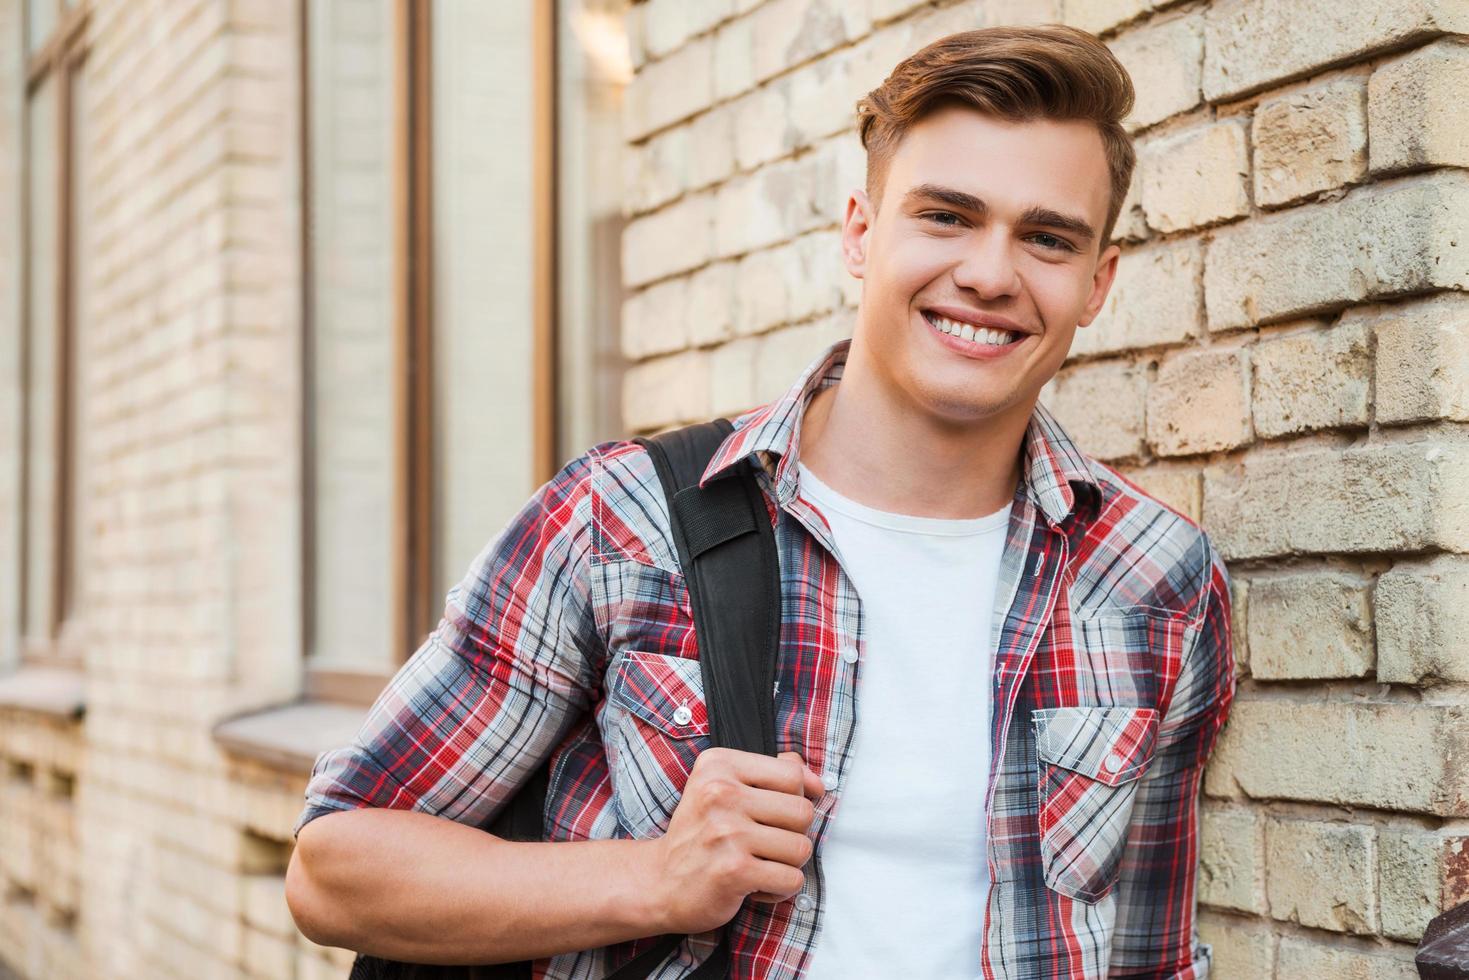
point(988, 266)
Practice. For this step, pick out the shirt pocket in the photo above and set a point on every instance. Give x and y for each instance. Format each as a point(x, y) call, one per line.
point(1090, 761)
point(657, 725)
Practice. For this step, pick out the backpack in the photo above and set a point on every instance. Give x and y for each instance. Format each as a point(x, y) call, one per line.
point(726, 549)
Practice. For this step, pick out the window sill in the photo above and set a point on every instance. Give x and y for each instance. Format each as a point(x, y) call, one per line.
point(58, 692)
point(290, 737)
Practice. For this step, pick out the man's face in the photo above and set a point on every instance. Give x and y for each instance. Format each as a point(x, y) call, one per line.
point(981, 220)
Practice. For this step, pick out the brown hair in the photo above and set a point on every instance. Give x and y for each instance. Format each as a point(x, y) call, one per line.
point(1014, 73)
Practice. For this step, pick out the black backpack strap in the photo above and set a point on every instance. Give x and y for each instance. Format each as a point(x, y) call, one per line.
point(726, 548)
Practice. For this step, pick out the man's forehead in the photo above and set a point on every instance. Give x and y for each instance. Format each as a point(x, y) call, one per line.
point(1043, 163)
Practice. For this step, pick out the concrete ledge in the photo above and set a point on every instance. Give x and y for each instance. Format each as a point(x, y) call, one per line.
point(56, 691)
point(291, 736)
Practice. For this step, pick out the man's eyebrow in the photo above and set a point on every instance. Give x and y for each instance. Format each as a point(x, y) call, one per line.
point(1035, 215)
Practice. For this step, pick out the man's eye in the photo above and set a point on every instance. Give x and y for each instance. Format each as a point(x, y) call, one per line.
point(934, 216)
point(1052, 242)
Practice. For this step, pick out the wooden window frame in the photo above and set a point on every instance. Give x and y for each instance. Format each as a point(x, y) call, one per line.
point(59, 56)
point(417, 604)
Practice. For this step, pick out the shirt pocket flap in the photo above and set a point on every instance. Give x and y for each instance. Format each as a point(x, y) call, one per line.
point(1109, 744)
point(663, 690)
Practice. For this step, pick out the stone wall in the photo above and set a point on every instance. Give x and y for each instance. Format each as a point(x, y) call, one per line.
point(1284, 357)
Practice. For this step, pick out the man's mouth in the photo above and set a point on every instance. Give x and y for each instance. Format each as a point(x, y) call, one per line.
point(969, 332)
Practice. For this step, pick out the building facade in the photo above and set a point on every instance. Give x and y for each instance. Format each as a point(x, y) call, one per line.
point(300, 300)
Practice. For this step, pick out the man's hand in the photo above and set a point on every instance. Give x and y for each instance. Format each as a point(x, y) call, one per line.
point(740, 829)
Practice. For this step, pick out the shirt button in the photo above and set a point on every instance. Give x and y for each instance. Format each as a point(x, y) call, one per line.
point(805, 902)
point(849, 654)
point(1112, 763)
point(683, 715)
point(829, 781)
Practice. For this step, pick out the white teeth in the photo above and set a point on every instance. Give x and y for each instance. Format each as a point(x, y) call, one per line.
point(967, 331)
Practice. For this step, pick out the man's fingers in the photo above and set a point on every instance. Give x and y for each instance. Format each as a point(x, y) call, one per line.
point(782, 774)
point(775, 809)
point(783, 846)
point(811, 783)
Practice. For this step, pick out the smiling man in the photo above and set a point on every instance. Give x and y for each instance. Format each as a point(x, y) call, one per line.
point(1002, 666)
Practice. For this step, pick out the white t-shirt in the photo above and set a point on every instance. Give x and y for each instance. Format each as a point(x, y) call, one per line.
point(904, 860)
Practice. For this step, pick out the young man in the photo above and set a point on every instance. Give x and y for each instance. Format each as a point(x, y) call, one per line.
point(1002, 666)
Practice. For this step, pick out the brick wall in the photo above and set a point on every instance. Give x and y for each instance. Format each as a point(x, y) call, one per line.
point(1284, 357)
point(142, 850)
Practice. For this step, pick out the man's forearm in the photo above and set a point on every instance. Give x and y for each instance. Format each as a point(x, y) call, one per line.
point(411, 887)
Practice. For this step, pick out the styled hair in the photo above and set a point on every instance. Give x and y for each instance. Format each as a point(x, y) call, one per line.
point(1019, 74)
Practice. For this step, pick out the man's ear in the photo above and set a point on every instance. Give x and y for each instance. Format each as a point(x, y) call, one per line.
point(855, 226)
point(1101, 284)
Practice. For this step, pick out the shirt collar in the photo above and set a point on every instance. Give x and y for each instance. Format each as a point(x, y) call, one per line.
point(1052, 463)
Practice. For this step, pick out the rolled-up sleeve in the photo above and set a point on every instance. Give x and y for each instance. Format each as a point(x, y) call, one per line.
point(1155, 933)
point(514, 662)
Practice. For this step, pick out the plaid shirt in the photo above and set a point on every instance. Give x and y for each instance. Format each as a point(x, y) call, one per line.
point(571, 640)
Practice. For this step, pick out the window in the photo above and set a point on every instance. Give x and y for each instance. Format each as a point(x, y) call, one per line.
point(50, 452)
point(434, 339)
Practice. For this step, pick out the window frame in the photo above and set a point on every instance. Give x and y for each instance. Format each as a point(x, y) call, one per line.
point(417, 605)
point(59, 56)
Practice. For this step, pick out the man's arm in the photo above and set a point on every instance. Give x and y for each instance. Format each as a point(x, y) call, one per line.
point(515, 661)
point(1155, 934)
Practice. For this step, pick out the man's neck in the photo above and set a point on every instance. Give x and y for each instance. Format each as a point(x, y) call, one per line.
point(867, 445)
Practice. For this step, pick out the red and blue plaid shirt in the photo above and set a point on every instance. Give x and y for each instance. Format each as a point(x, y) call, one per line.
point(570, 639)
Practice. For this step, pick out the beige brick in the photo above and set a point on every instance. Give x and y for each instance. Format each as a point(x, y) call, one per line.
point(785, 199)
point(666, 391)
point(1375, 242)
point(1308, 958)
point(654, 321)
point(1251, 43)
point(822, 96)
point(1239, 623)
point(734, 58)
point(790, 282)
point(1100, 16)
point(663, 92)
point(997, 13)
point(269, 957)
point(656, 172)
point(1423, 621)
point(709, 313)
point(1195, 177)
point(1422, 359)
point(883, 11)
point(782, 354)
point(1165, 59)
point(1415, 105)
point(1315, 380)
point(711, 148)
point(1367, 498)
point(1199, 403)
point(265, 905)
point(675, 239)
point(1309, 141)
point(761, 132)
point(1131, 224)
point(1154, 300)
point(1310, 626)
point(732, 377)
point(1231, 873)
point(789, 32)
point(1179, 487)
point(1239, 951)
point(1101, 406)
point(1322, 874)
point(1420, 874)
point(667, 24)
point(1391, 756)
